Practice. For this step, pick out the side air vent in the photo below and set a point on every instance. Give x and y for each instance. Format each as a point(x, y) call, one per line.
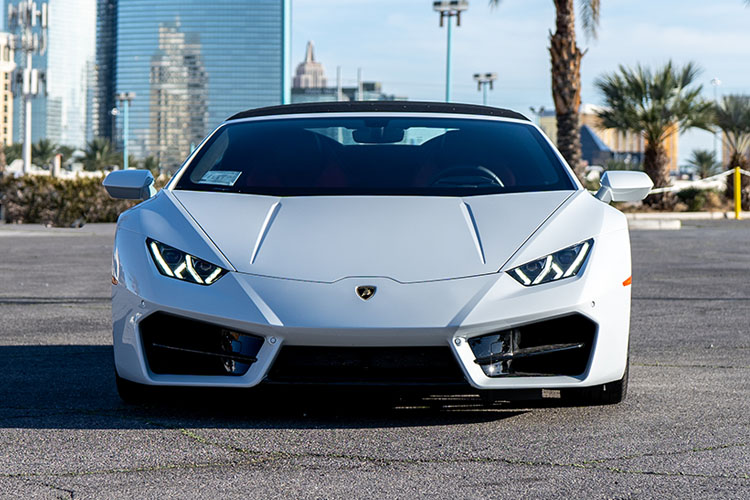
point(181, 346)
point(560, 346)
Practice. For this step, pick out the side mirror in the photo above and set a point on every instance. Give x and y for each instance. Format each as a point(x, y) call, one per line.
point(624, 185)
point(130, 184)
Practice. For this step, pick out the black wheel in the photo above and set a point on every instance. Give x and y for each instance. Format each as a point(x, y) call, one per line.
point(131, 392)
point(606, 394)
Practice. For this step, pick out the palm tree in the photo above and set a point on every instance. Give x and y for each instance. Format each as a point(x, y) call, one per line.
point(733, 119)
point(43, 151)
point(704, 163)
point(655, 104)
point(151, 163)
point(13, 152)
point(132, 161)
point(566, 58)
point(66, 152)
point(99, 155)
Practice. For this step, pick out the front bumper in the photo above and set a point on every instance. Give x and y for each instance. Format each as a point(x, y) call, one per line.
point(439, 313)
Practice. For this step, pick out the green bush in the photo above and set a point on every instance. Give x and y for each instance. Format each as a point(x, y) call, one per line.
point(700, 199)
point(58, 202)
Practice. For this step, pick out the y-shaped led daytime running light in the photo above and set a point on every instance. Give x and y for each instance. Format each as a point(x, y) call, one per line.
point(163, 267)
point(561, 264)
point(177, 264)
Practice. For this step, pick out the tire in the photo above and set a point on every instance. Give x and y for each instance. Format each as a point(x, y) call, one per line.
point(131, 392)
point(606, 394)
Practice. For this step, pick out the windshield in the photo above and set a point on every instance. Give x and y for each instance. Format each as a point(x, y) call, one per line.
point(376, 156)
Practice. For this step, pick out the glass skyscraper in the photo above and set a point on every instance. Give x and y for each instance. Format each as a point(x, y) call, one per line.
point(64, 114)
point(191, 64)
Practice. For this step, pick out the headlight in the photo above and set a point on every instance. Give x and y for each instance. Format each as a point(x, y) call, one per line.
point(182, 266)
point(561, 264)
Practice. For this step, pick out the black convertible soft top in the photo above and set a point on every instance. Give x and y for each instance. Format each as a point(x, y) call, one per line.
point(379, 106)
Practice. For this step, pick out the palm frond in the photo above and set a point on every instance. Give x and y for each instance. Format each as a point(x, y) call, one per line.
point(590, 16)
point(732, 116)
point(651, 102)
point(704, 163)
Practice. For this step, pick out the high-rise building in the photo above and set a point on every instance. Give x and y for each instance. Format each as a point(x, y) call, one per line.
point(7, 64)
point(191, 64)
point(63, 115)
point(178, 99)
point(103, 121)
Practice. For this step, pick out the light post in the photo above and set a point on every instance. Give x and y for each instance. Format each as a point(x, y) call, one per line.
point(126, 98)
point(449, 9)
point(484, 80)
point(538, 112)
point(715, 82)
point(24, 17)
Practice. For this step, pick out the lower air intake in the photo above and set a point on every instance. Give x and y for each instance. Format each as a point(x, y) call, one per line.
point(560, 346)
point(180, 346)
point(366, 366)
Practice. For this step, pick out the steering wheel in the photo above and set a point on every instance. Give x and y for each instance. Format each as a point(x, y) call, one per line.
point(467, 171)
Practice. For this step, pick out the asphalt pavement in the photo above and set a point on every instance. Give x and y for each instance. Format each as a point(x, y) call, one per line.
point(683, 431)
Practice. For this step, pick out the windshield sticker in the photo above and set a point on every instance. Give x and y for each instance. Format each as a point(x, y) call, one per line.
point(220, 177)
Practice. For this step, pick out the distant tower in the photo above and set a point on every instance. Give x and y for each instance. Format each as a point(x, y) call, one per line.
point(7, 65)
point(310, 74)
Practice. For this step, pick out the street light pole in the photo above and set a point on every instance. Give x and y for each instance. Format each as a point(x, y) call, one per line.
point(24, 17)
point(27, 75)
point(484, 80)
point(715, 82)
point(449, 45)
point(449, 9)
point(125, 98)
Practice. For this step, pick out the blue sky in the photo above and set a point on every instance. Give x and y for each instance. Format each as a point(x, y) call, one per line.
point(399, 43)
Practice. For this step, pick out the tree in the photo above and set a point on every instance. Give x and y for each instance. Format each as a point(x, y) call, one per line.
point(655, 104)
point(132, 161)
point(704, 163)
point(566, 73)
point(43, 151)
point(99, 155)
point(13, 152)
point(66, 152)
point(151, 163)
point(732, 117)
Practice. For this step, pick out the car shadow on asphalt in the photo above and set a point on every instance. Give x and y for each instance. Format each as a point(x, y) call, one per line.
point(73, 386)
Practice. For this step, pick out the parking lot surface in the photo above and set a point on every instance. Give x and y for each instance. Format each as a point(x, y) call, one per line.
point(683, 431)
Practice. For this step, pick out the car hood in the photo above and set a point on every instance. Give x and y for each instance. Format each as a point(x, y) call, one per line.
point(405, 238)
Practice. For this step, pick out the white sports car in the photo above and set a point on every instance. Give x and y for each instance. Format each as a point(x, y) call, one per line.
point(375, 243)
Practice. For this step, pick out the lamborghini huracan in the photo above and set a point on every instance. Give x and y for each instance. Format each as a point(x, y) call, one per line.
point(375, 244)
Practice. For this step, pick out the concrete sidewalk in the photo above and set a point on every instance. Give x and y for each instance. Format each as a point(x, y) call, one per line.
point(684, 215)
point(97, 229)
point(673, 220)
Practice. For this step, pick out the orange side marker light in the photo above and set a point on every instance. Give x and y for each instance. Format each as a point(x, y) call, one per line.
point(114, 280)
point(628, 281)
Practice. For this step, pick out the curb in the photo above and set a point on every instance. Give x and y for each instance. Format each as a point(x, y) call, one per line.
point(684, 215)
point(654, 224)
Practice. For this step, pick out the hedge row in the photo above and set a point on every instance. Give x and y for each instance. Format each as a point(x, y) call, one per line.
point(58, 202)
